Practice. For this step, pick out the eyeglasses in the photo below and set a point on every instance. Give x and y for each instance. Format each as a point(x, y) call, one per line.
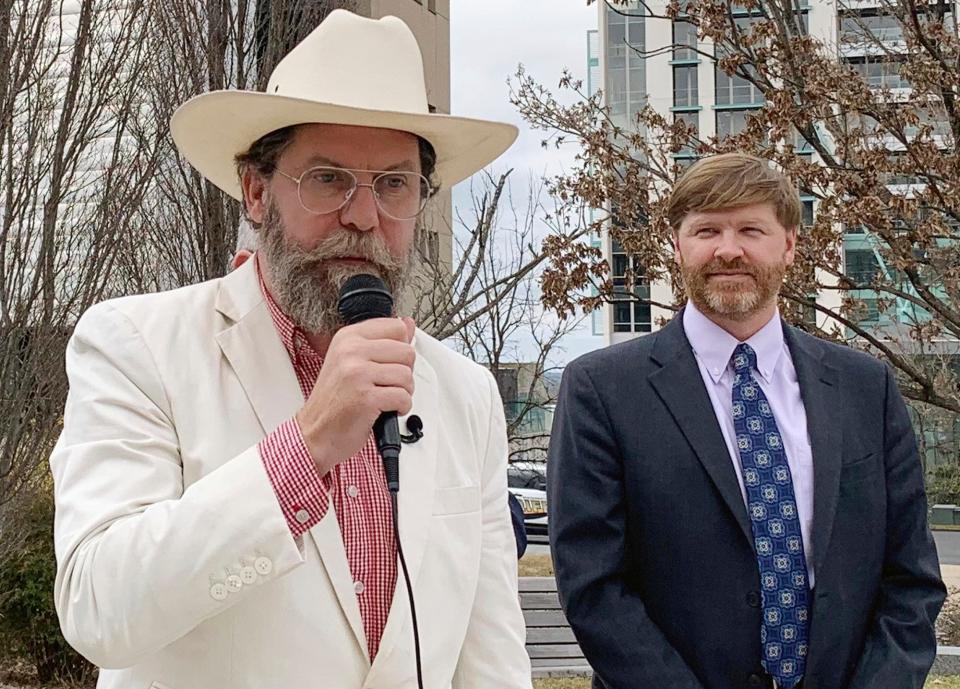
point(399, 195)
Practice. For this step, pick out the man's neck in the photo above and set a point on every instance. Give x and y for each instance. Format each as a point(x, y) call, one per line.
point(745, 328)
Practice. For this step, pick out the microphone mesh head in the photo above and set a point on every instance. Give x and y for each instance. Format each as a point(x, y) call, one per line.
point(362, 297)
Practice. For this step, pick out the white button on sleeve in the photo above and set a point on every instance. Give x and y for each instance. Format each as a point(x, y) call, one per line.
point(248, 575)
point(263, 565)
point(234, 583)
point(218, 592)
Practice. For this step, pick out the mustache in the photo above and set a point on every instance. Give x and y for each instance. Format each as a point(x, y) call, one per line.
point(735, 266)
point(349, 245)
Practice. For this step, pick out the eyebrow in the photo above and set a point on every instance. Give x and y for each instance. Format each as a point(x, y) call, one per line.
point(403, 165)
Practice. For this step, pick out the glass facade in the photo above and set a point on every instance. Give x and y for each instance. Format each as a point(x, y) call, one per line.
point(626, 83)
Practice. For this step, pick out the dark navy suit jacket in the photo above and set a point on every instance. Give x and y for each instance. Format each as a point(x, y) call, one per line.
point(652, 544)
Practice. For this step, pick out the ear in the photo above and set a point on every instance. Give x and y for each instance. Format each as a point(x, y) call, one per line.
point(240, 258)
point(676, 249)
point(791, 252)
point(254, 187)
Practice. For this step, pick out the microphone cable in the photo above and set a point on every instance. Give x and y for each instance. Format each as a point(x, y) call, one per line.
point(406, 577)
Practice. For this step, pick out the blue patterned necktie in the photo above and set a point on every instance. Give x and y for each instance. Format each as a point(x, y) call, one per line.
point(775, 523)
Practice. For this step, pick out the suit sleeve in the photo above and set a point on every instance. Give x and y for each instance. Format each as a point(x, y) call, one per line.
point(588, 541)
point(493, 653)
point(142, 559)
point(901, 645)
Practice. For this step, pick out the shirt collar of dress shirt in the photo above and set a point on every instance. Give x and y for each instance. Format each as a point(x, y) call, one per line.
point(293, 337)
point(714, 346)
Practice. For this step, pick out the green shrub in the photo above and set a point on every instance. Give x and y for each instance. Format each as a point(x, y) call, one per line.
point(943, 485)
point(29, 629)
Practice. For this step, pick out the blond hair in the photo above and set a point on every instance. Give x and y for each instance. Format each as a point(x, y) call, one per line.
point(733, 180)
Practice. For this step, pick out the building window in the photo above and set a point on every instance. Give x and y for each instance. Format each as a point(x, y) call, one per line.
point(684, 34)
point(878, 72)
point(630, 315)
point(810, 312)
point(731, 122)
point(685, 86)
point(862, 265)
point(626, 65)
point(857, 29)
point(692, 122)
point(735, 90)
point(807, 213)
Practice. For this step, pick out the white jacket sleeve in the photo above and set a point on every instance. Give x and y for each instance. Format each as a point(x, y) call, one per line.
point(142, 560)
point(493, 653)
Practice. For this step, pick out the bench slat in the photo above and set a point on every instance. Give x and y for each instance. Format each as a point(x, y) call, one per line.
point(545, 618)
point(539, 601)
point(550, 635)
point(542, 584)
point(569, 651)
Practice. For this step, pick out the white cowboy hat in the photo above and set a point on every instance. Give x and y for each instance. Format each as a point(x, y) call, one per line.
point(349, 70)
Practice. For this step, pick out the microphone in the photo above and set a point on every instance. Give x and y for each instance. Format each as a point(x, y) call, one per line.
point(363, 297)
point(415, 426)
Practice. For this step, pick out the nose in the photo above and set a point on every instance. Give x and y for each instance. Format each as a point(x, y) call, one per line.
point(729, 248)
point(360, 212)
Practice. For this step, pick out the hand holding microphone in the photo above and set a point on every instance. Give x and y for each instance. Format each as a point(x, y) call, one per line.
point(368, 370)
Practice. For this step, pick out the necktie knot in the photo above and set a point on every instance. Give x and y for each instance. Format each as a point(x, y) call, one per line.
point(744, 359)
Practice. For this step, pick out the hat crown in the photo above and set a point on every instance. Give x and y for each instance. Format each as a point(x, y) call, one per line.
point(356, 62)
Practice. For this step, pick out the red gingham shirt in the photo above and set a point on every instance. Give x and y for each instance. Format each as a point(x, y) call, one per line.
point(357, 487)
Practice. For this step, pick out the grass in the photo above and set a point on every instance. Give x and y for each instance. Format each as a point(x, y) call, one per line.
point(536, 566)
point(584, 683)
point(562, 683)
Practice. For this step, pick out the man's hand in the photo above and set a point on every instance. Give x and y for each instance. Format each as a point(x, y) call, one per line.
point(368, 369)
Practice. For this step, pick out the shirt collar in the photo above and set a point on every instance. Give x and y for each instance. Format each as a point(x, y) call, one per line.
point(293, 337)
point(714, 346)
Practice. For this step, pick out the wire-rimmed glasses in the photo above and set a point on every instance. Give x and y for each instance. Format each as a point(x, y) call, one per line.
point(399, 194)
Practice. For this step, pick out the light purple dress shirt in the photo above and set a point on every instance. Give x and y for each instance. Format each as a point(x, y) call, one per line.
point(713, 347)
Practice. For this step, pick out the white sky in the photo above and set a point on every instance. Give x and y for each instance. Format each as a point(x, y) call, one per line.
point(488, 39)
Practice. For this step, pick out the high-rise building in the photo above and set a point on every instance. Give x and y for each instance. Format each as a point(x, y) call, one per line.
point(639, 67)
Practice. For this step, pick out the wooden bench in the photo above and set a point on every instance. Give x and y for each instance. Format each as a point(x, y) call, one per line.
point(550, 642)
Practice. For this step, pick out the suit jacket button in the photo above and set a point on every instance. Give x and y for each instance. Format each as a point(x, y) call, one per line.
point(263, 565)
point(218, 592)
point(754, 599)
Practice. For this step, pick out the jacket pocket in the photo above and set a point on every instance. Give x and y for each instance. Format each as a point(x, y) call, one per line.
point(459, 500)
point(859, 469)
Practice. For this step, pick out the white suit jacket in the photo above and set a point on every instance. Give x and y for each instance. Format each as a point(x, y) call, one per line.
point(161, 496)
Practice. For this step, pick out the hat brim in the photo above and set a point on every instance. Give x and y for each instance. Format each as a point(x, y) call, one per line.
point(211, 129)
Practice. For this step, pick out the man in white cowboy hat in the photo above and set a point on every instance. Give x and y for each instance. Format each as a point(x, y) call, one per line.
point(222, 519)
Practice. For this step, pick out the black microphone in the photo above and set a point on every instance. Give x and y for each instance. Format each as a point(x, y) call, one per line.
point(363, 297)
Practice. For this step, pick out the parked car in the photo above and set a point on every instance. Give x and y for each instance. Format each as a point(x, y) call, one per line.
point(528, 482)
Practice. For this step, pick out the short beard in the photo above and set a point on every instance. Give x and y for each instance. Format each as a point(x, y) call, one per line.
point(732, 301)
point(306, 285)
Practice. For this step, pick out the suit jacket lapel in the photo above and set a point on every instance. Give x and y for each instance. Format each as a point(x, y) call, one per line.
point(678, 383)
point(418, 462)
point(818, 390)
point(252, 346)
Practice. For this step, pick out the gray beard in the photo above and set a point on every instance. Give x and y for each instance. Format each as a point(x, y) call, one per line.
point(306, 285)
